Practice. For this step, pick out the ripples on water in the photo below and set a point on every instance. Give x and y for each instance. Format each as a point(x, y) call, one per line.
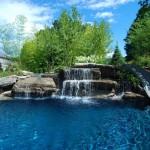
point(64, 124)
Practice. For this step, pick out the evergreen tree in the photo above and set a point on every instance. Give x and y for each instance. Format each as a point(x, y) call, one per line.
point(117, 58)
point(138, 34)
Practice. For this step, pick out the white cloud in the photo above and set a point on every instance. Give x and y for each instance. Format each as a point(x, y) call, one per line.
point(38, 15)
point(107, 3)
point(96, 4)
point(104, 15)
point(111, 20)
point(73, 2)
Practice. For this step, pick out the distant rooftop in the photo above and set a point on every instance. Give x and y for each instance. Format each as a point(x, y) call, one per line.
point(3, 56)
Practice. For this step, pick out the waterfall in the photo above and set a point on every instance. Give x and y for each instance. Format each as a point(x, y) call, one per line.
point(27, 91)
point(124, 86)
point(77, 82)
point(78, 74)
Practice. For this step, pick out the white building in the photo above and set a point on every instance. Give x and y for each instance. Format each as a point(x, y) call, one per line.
point(4, 61)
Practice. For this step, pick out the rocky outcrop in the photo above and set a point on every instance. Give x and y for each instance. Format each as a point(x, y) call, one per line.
point(85, 65)
point(107, 71)
point(27, 73)
point(7, 83)
point(130, 96)
point(2, 97)
point(52, 75)
point(80, 74)
point(90, 88)
point(34, 87)
point(104, 89)
point(6, 95)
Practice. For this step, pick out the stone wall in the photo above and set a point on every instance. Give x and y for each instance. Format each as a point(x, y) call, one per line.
point(107, 71)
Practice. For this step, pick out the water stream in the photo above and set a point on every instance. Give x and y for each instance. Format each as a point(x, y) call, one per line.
point(77, 82)
point(27, 91)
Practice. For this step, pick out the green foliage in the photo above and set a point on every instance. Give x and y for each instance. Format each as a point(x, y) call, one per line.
point(68, 39)
point(96, 41)
point(117, 58)
point(69, 31)
point(28, 56)
point(138, 37)
point(124, 74)
point(11, 70)
point(92, 59)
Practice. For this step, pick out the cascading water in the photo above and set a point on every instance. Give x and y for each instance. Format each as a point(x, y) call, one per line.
point(25, 94)
point(27, 91)
point(77, 82)
point(124, 86)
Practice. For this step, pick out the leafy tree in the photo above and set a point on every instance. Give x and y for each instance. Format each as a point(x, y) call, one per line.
point(12, 37)
point(44, 52)
point(96, 40)
point(28, 56)
point(68, 28)
point(117, 58)
point(138, 35)
point(49, 54)
point(67, 39)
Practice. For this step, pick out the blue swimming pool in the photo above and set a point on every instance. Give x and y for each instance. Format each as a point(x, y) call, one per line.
point(55, 124)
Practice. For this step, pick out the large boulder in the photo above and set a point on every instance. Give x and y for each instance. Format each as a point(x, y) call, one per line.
point(107, 71)
point(130, 96)
point(7, 83)
point(52, 75)
point(106, 85)
point(34, 87)
point(3, 97)
point(6, 96)
point(27, 73)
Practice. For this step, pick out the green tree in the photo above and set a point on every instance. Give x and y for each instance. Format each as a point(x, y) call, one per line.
point(27, 56)
point(49, 54)
point(69, 28)
point(68, 38)
point(117, 58)
point(138, 35)
point(43, 51)
point(96, 40)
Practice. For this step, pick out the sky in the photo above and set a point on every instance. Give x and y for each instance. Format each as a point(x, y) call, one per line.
point(119, 13)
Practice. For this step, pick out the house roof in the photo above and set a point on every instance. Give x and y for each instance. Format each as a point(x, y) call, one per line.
point(3, 56)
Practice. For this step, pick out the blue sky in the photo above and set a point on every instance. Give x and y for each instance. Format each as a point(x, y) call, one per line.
point(119, 13)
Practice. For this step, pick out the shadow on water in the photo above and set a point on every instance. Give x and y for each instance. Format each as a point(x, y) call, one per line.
point(76, 103)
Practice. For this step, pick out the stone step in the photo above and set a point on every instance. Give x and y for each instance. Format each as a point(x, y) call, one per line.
point(92, 65)
point(106, 85)
point(80, 74)
point(107, 71)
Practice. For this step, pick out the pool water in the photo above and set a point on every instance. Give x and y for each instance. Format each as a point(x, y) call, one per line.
point(55, 124)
